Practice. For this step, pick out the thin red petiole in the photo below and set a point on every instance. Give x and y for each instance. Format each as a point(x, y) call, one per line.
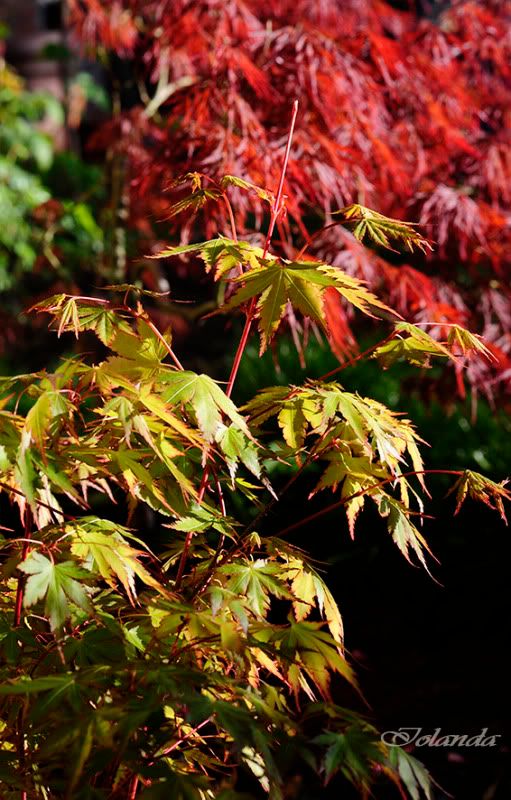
point(351, 361)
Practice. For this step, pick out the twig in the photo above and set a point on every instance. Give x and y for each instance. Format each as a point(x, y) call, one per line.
point(27, 524)
point(189, 535)
point(339, 504)
point(356, 358)
point(41, 502)
point(276, 209)
point(184, 738)
point(367, 490)
point(133, 787)
point(164, 88)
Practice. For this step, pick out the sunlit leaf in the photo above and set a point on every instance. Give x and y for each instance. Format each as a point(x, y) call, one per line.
point(381, 230)
point(55, 583)
point(478, 487)
point(101, 543)
point(206, 398)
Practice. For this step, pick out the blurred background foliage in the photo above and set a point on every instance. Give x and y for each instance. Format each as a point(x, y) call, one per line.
point(50, 233)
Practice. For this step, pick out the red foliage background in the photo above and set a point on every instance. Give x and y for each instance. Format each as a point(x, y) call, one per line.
point(405, 111)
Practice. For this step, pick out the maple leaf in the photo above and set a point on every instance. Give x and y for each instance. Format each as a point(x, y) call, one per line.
point(50, 408)
point(413, 345)
point(344, 754)
point(302, 283)
point(193, 202)
point(462, 341)
point(256, 580)
point(342, 466)
point(79, 313)
point(57, 584)
point(478, 487)
point(404, 534)
point(412, 772)
point(135, 289)
point(237, 447)
point(103, 321)
point(220, 255)
point(318, 653)
point(232, 180)
point(364, 222)
point(310, 590)
point(207, 399)
point(101, 544)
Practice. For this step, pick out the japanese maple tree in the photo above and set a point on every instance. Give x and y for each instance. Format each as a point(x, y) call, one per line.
point(159, 637)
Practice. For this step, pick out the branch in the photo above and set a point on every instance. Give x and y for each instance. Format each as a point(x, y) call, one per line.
point(43, 504)
point(20, 590)
point(356, 358)
point(164, 88)
point(367, 490)
point(277, 208)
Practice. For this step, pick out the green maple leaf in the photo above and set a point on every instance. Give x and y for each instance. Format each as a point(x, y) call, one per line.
point(277, 281)
point(365, 223)
point(236, 447)
point(233, 180)
point(404, 533)
point(412, 772)
point(462, 341)
point(293, 423)
point(256, 581)
point(49, 407)
point(219, 255)
point(342, 466)
point(315, 649)
point(194, 201)
point(309, 590)
point(207, 399)
point(25, 473)
point(103, 321)
point(57, 584)
point(352, 753)
point(411, 344)
point(101, 544)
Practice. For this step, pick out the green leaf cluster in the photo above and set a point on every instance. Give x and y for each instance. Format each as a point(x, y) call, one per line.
point(154, 626)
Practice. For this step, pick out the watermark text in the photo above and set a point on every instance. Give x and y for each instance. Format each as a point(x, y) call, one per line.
point(421, 738)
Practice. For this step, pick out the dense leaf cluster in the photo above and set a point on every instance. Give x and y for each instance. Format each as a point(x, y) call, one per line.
point(151, 626)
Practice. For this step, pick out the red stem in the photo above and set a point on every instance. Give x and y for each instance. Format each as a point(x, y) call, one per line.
point(341, 503)
point(21, 580)
point(132, 791)
point(184, 738)
point(231, 217)
point(311, 239)
point(356, 358)
point(189, 535)
point(275, 211)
